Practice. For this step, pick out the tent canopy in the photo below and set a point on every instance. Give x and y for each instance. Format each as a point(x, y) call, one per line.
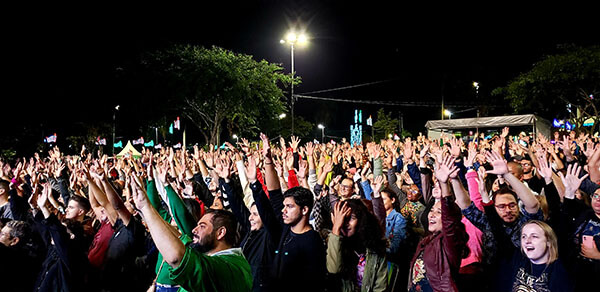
point(129, 149)
point(538, 124)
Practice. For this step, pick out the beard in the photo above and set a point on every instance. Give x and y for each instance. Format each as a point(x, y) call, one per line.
point(205, 244)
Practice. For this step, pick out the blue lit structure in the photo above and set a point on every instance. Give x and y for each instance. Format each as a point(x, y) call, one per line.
point(356, 129)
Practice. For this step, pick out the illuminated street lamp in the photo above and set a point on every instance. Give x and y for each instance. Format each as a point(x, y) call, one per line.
point(282, 116)
point(114, 127)
point(448, 113)
point(235, 137)
point(293, 39)
point(320, 126)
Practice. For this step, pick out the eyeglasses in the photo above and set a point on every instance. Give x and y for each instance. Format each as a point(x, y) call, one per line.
point(414, 191)
point(526, 164)
point(509, 205)
point(596, 197)
point(345, 187)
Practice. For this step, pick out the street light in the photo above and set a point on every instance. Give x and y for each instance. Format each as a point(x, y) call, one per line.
point(236, 138)
point(114, 126)
point(320, 126)
point(293, 39)
point(448, 113)
point(282, 116)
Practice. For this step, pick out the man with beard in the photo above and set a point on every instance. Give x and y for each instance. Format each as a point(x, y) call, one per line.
point(502, 219)
point(209, 262)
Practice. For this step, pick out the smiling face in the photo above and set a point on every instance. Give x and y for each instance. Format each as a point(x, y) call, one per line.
point(535, 244)
point(414, 194)
point(254, 218)
point(435, 217)
point(204, 235)
point(346, 188)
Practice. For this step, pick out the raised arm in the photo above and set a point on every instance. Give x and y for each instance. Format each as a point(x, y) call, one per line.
point(531, 204)
point(169, 245)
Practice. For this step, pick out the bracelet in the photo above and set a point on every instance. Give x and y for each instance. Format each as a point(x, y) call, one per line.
point(267, 163)
point(470, 168)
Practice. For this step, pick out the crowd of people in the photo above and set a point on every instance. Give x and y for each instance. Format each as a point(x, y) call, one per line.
point(502, 213)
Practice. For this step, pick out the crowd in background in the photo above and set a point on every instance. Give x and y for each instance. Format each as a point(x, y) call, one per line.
point(502, 213)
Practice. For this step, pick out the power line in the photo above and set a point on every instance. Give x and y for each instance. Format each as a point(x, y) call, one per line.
point(350, 86)
point(392, 103)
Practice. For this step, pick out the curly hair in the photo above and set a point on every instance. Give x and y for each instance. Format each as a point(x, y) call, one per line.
point(369, 235)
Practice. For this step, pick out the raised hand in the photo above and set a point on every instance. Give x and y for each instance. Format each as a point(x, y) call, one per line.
point(250, 170)
point(544, 167)
point(309, 149)
point(424, 151)
point(328, 167)
point(499, 164)
point(572, 181)
point(222, 169)
point(338, 216)
point(504, 132)
point(302, 167)
point(446, 169)
point(408, 149)
point(377, 184)
point(294, 143)
point(266, 148)
point(471, 155)
point(454, 147)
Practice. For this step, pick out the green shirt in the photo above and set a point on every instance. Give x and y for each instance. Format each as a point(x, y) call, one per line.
point(185, 223)
point(227, 270)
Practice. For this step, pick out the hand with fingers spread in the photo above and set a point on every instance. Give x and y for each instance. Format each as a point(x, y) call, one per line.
point(266, 148)
point(446, 169)
point(377, 186)
point(504, 132)
point(499, 164)
point(471, 155)
point(302, 167)
point(572, 181)
point(544, 168)
point(424, 151)
point(408, 149)
point(294, 143)
point(455, 147)
point(338, 217)
point(223, 169)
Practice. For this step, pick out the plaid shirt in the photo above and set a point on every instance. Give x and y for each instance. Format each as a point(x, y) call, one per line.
point(480, 220)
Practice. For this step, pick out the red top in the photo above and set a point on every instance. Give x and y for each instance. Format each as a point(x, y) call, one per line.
point(100, 244)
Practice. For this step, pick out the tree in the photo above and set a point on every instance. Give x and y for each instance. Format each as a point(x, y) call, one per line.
point(384, 125)
point(559, 85)
point(216, 88)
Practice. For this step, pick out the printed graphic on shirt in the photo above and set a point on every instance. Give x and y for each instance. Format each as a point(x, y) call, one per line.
point(524, 282)
point(592, 228)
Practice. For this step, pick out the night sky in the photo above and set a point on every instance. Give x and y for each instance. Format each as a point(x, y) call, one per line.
point(63, 67)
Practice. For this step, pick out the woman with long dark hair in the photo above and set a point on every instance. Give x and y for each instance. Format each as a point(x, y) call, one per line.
point(356, 248)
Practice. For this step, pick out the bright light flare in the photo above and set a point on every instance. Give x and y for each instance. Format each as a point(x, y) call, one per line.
point(320, 126)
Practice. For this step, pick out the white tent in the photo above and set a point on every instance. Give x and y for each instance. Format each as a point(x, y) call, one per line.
point(129, 149)
point(538, 125)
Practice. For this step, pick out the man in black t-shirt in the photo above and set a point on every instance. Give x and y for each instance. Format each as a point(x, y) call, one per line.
point(301, 253)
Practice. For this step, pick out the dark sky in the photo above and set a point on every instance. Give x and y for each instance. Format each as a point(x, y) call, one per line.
point(62, 66)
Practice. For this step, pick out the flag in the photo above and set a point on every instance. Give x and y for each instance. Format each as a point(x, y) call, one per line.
point(171, 129)
point(118, 144)
point(158, 146)
point(149, 144)
point(370, 121)
point(177, 146)
point(50, 139)
point(177, 124)
point(138, 141)
point(100, 141)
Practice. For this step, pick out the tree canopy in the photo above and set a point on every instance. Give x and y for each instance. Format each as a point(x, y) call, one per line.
point(384, 125)
point(561, 85)
point(216, 88)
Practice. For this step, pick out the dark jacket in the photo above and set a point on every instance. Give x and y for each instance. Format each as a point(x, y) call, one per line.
point(258, 246)
point(442, 251)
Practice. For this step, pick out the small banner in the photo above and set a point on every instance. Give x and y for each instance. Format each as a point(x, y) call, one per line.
point(118, 144)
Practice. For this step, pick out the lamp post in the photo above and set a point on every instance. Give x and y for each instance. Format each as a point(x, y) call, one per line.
point(320, 126)
point(292, 39)
point(236, 138)
point(114, 126)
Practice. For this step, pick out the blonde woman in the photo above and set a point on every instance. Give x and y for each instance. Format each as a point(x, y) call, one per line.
point(536, 266)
